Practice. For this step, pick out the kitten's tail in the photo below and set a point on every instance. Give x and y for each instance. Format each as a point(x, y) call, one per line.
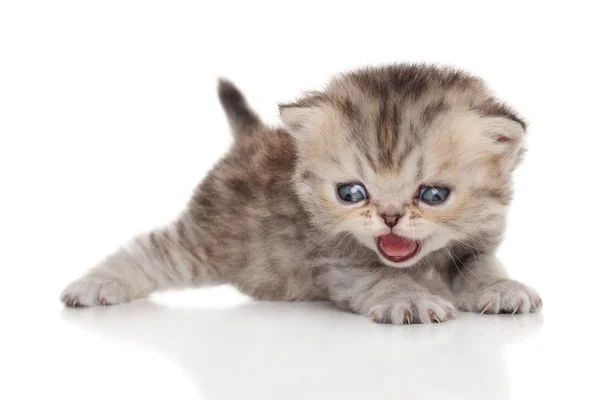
point(242, 119)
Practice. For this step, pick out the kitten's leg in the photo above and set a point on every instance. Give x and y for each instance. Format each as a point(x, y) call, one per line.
point(385, 295)
point(171, 257)
point(482, 285)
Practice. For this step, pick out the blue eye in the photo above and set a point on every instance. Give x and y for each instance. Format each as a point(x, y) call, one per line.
point(352, 192)
point(433, 195)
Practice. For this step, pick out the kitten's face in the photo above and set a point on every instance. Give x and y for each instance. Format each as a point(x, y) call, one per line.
point(404, 175)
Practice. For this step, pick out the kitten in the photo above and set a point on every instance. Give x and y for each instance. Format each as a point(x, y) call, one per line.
point(387, 174)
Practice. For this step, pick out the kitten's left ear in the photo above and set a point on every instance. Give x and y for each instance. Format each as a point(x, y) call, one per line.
point(505, 137)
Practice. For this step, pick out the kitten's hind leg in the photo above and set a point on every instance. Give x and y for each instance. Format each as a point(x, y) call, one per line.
point(170, 257)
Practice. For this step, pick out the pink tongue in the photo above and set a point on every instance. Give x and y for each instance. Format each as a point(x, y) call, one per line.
point(397, 246)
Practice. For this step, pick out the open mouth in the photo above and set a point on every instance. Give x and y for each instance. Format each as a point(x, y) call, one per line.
point(397, 248)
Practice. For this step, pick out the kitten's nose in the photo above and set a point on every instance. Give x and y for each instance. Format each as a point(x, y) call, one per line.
point(391, 220)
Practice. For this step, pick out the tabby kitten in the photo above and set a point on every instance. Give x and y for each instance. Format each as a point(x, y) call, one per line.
point(388, 174)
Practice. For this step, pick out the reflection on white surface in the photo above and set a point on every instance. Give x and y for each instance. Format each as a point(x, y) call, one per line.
point(311, 350)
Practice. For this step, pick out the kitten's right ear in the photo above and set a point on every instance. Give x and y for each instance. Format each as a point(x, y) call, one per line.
point(301, 117)
point(297, 120)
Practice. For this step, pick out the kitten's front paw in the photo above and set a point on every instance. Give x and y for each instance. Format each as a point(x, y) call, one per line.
point(505, 296)
point(422, 308)
point(92, 291)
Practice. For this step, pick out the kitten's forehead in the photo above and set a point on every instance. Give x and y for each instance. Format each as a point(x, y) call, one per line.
point(389, 112)
point(394, 185)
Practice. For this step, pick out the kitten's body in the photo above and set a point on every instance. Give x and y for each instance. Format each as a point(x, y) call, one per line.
point(254, 221)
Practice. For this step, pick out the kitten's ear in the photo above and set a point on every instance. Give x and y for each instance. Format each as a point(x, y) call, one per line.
point(505, 137)
point(301, 117)
point(297, 119)
point(504, 132)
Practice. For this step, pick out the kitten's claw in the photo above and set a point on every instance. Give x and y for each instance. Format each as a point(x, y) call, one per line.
point(424, 309)
point(91, 291)
point(73, 302)
point(485, 308)
point(517, 308)
point(505, 296)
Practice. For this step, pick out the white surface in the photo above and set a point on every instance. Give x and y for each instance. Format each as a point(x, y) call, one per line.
point(109, 118)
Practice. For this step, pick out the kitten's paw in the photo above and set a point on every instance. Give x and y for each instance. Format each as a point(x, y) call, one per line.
point(91, 291)
point(423, 308)
point(505, 297)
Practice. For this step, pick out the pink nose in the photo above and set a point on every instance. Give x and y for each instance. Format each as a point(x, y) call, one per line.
point(391, 220)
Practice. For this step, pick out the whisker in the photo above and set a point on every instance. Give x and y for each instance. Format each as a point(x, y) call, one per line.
point(456, 265)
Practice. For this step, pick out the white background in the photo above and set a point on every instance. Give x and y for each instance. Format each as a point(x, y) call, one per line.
point(109, 118)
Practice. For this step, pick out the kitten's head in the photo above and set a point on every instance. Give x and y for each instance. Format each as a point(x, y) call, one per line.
point(407, 158)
